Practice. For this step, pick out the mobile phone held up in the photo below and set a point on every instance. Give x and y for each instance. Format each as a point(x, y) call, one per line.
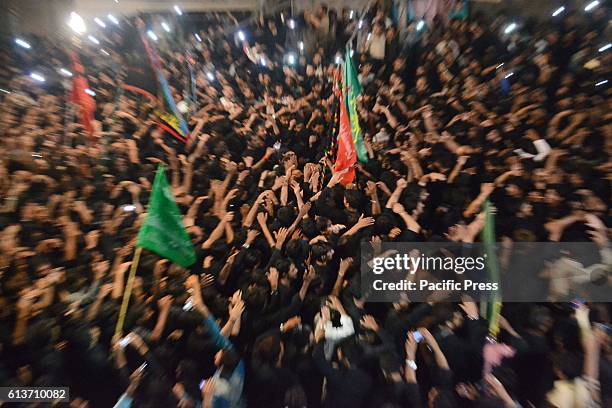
point(418, 337)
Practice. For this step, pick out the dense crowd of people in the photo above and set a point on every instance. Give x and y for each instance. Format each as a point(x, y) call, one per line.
point(271, 315)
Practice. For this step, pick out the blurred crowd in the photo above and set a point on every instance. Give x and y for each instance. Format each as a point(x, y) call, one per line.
point(454, 112)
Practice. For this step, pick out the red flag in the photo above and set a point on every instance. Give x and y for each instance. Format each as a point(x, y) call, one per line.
point(346, 156)
point(85, 103)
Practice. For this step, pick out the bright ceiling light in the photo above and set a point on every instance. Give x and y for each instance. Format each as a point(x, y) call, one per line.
point(605, 47)
point(152, 35)
point(197, 36)
point(22, 43)
point(93, 39)
point(591, 5)
point(558, 11)
point(65, 72)
point(241, 35)
point(178, 10)
point(100, 22)
point(165, 26)
point(113, 19)
point(420, 25)
point(37, 77)
point(510, 28)
point(76, 23)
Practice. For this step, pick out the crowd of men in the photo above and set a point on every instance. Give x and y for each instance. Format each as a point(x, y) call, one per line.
point(271, 315)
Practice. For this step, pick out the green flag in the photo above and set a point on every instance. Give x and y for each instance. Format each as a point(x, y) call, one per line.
point(163, 231)
point(352, 89)
point(493, 306)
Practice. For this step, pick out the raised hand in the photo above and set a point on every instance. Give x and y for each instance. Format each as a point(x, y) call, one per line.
point(345, 264)
point(291, 323)
point(165, 302)
point(207, 280)
point(368, 322)
point(410, 346)
point(236, 310)
point(398, 208)
point(272, 276)
point(364, 222)
point(281, 236)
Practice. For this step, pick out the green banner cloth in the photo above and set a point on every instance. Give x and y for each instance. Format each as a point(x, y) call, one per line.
point(163, 231)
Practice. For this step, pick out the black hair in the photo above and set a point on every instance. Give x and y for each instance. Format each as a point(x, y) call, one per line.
point(295, 397)
point(267, 349)
point(354, 198)
point(229, 361)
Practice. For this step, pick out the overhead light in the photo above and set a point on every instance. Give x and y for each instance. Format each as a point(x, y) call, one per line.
point(499, 66)
point(262, 60)
point(241, 36)
point(100, 22)
point(508, 75)
point(282, 17)
point(210, 76)
point(165, 26)
point(510, 28)
point(4, 91)
point(178, 10)
point(197, 36)
point(337, 59)
point(93, 39)
point(360, 25)
point(301, 45)
point(352, 53)
point(605, 81)
point(558, 11)
point(37, 77)
point(90, 92)
point(22, 43)
point(420, 25)
point(351, 14)
point(103, 51)
point(291, 59)
point(152, 35)
point(113, 19)
point(76, 23)
point(369, 36)
point(291, 23)
point(605, 47)
point(591, 5)
point(65, 72)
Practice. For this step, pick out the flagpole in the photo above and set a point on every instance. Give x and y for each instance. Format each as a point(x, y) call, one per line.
point(127, 292)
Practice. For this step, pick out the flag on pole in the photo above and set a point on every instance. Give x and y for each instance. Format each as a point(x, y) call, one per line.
point(140, 76)
point(493, 305)
point(346, 156)
point(86, 106)
point(149, 80)
point(163, 231)
point(351, 92)
point(170, 113)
